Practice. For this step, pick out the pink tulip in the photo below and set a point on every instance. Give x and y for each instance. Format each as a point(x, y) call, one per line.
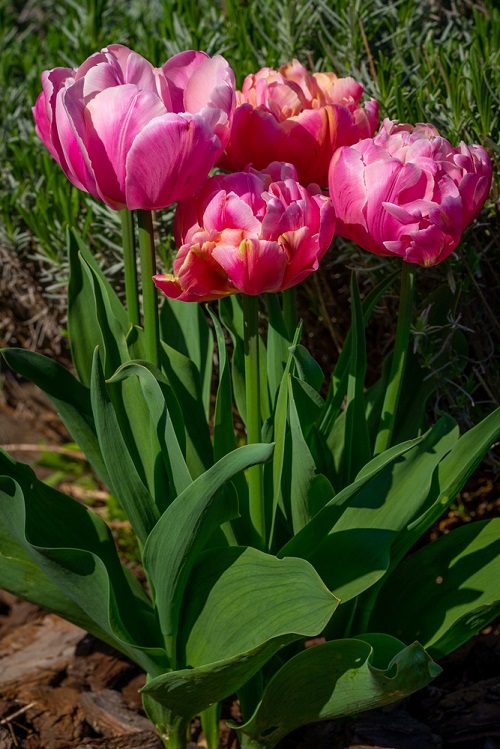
point(248, 232)
point(289, 115)
point(408, 192)
point(133, 135)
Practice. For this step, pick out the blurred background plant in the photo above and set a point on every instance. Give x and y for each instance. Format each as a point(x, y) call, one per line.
point(431, 61)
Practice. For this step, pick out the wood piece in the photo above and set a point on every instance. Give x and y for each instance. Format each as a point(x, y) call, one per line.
point(99, 666)
point(35, 652)
point(54, 714)
point(108, 714)
point(142, 740)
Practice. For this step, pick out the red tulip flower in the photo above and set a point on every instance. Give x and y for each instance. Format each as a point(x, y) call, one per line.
point(408, 192)
point(290, 115)
point(248, 232)
point(133, 135)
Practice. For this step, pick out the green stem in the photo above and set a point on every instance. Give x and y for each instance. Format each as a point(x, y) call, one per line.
point(149, 295)
point(171, 728)
point(401, 343)
point(131, 288)
point(290, 310)
point(252, 392)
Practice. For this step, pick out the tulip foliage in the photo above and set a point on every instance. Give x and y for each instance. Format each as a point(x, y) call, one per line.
point(270, 504)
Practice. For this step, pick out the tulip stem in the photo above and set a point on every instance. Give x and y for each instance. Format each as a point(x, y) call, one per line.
point(290, 310)
point(252, 392)
point(129, 259)
point(149, 295)
point(401, 343)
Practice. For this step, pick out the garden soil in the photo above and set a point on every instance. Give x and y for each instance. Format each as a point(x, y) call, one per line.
point(61, 688)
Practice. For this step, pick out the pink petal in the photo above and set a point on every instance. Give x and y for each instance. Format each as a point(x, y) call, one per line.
point(71, 131)
point(114, 119)
point(229, 211)
point(169, 160)
point(348, 190)
point(176, 72)
point(254, 267)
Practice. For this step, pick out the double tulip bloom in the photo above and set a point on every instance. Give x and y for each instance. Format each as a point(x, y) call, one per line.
point(133, 135)
point(290, 115)
point(408, 192)
point(248, 232)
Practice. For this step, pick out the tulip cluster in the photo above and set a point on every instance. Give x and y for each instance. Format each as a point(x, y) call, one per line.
point(137, 136)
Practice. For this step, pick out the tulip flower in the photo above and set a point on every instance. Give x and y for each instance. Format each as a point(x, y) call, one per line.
point(290, 115)
point(248, 232)
point(133, 135)
point(408, 192)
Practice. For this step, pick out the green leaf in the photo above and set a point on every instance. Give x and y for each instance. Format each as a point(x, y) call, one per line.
point(356, 451)
point(68, 395)
point(187, 692)
point(75, 549)
point(278, 603)
point(369, 515)
point(183, 378)
point(308, 368)
point(455, 590)
point(184, 328)
point(125, 482)
point(231, 316)
point(332, 681)
point(167, 417)
point(309, 491)
point(96, 317)
point(452, 473)
point(277, 345)
point(273, 597)
point(338, 384)
point(187, 525)
point(225, 441)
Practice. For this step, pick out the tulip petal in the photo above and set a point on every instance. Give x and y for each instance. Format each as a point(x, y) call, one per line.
point(114, 118)
point(169, 160)
point(253, 267)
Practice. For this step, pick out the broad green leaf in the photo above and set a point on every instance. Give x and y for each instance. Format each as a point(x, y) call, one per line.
point(125, 482)
point(452, 473)
point(372, 517)
point(183, 378)
point(454, 590)
point(184, 327)
point(75, 549)
point(187, 692)
point(271, 597)
point(304, 543)
point(276, 605)
point(185, 527)
point(332, 681)
point(167, 418)
point(20, 575)
point(68, 395)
